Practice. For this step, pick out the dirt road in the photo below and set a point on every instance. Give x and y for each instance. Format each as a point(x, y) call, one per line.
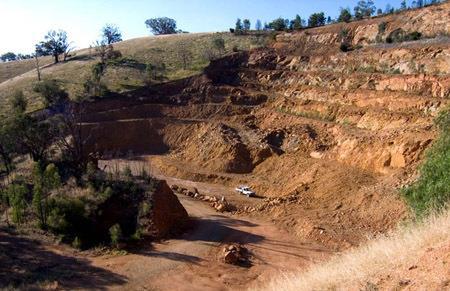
point(191, 262)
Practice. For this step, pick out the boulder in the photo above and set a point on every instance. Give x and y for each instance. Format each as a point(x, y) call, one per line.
point(231, 257)
point(221, 207)
point(234, 254)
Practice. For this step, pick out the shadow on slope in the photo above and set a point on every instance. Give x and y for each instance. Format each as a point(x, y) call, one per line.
point(25, 262)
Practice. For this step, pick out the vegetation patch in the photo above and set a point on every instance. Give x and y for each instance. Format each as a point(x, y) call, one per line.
point(431, 192)
point(308, 114)
point(399, 35)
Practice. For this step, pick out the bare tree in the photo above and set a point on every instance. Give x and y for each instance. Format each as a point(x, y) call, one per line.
point(72, 136)
point(184, 54)
point(36, 63)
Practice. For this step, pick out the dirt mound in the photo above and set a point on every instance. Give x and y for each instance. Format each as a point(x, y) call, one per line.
point(220, 148)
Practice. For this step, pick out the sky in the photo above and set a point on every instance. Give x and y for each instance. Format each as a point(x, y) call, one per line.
point(24, 23)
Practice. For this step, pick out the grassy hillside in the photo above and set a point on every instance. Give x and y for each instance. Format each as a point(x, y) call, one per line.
point(397, 261)
point(73, 73)
point(10, 70)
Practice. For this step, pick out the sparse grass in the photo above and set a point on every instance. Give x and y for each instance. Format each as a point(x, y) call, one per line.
point(12, 69)
point(308, 114)
point(355, 269)
point(119, 77)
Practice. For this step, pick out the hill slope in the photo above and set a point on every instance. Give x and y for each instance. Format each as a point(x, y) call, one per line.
point(21, 75)
point(413, 258)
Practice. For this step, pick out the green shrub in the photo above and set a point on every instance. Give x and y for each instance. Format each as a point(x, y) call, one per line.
point(382, 27)
point(44, 182)
point(127, 173)
point(77, 243)
point(116, 235)
point(431, 192)
point(67, 217)
point(413, 36)
point(16, 197)
point(137, 235)
point(51, 92)
point(399, 35)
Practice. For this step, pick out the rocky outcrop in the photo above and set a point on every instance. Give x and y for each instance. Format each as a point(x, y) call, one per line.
point(430, 22)
point(166, 215)
point(154, 213)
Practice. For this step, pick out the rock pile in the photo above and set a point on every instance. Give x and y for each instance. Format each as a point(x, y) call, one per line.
point(219, 204)
point(234, 254)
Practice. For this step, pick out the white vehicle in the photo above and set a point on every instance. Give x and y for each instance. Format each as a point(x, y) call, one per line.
point(244, 190)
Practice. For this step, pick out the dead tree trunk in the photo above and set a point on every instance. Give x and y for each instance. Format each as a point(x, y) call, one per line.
point(38, 69)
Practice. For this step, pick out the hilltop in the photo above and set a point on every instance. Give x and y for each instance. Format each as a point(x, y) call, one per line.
point(21, 75)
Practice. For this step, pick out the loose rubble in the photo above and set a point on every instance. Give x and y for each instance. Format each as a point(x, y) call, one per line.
point(219, 204)
point(235, 254)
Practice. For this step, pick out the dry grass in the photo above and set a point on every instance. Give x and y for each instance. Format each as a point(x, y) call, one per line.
point(355, 269)
point(73, 73)
point(10, 70)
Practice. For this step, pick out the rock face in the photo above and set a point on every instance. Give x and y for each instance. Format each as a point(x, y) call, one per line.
point(166, 215)
point(430, 22)
point(155, 213)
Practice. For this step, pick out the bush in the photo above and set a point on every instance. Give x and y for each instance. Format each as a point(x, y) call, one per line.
point(16, 197)
point(44, 181)
point(116, 235)
point(77, 243)
point(399, 35)
point(382, 27)
point(127, 173)
point(19, 103)
point(431, 192)
point(415, 35)
point(67, 217)
point(52, 93)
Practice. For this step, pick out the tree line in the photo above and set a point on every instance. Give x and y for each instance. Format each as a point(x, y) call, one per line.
point(363, 9)
point(56, 43)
